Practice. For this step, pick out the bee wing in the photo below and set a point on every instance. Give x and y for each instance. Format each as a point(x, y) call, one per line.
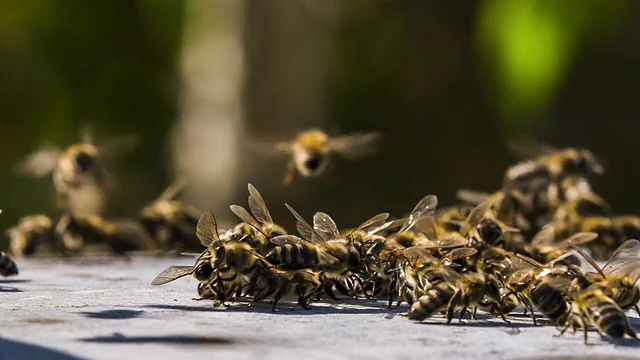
point(172, 190)
point(527, 148)
point(454, 240)
point(388, 225)
point(244, 215)
point(258, 207)
point(624, 258)
point(472, 197)
point(324, 224)
point(374, 222)
point(327, 259)
point(427, 225)
point(560, 283)
point(458, 253)
point(529, 260)
point(419, 255)
point(426, 206)
point(474, 216)
point(285, 239)
point(545, 237)
point(577, 239)
point(172, 273)
point(303, 227)
point(207, 229)
point(354, 146)
point(39, 163)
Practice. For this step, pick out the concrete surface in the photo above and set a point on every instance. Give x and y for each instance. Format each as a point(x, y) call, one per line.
point(105, 308)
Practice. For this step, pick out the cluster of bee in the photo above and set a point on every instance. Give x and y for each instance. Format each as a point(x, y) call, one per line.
point(166, 224)
point(459, 258)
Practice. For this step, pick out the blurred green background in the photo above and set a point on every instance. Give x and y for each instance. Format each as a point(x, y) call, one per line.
point(199, 82)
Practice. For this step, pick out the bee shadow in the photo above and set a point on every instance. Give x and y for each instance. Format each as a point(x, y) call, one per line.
point(19, 349)
point(113, 314)
point(9, 289)
point(118, 338)
point(14, 281)
point(482, 320)
point(286, 308)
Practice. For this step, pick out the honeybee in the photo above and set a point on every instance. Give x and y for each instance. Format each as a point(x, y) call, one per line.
point(619, 276)
point(592, 306)
point(293, 253)
point(540, 286)
point(544, 248)
point(483, 228)
point(311, 151)
point(277, 283)
point(84, 233)
point(449, 290)
point(32, 235)
point(406, 237)
point(608, 229)
point(171, 223)
point(8, 267)
point(256, 227)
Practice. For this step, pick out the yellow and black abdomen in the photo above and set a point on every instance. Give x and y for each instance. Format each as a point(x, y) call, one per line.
point(549, 300)
point(294, 256)
point(434, 300)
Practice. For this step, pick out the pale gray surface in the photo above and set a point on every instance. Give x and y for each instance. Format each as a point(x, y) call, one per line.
point(105, 308)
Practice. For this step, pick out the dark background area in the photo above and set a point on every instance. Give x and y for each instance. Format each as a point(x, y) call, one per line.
point(447, 83)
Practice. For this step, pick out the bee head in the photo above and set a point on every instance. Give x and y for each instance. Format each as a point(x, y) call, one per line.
point(586, 163)
point(490, 232)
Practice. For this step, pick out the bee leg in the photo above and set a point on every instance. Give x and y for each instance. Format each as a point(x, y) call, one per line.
point(473, 313)
point(392, 289)
point(528, 306)
point(465, 305)
point(276, 298)
point(348, 292)
point(631, 332)
point(637, 308)
point(452, 305)
point(292, 173)
point(364, 291)
point(328, 289)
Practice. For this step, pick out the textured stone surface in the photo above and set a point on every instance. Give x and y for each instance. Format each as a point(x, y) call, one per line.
point(104, 308)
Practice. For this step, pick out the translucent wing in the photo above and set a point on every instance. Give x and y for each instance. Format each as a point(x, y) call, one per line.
point(354, 146)
point(454, 240)
point(244, 215)
point(324, 224)
point(527, 148)
point(427, 225)
point(472, 197)
point(458, 253)
point(628, 254)
point(374, 222)
point(172, 190)
point(545, 237)
point(303, 227)
point(172, 273)
point(388, 225)
point(285, 239)
point(207, 229)
point(426, 206)
point(577, 239)
point(474, 217)
point(417, 255)
point(327, 259)
point(39, 163)
point(258, 207)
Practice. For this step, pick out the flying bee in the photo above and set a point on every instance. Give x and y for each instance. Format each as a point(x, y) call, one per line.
point(449, 290)
point(32, 235)
point(311, 151)
point(277, 282)
point(294, 253)
point(171, 223)
point(618, 278)
point(544, 248)
point(593, 306)
point(256, 227)
point(8, 267)
point(82, 233)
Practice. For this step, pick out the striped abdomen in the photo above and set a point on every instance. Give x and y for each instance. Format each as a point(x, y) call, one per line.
point(294, 256)
point(605, 314)
point(548, 300)
point(434, 300)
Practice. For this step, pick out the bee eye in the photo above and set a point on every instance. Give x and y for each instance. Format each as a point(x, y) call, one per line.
point(84, 161)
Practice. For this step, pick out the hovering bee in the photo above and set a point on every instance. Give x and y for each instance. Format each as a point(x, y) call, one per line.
point(171, 223)
point(32, 235)
point(8, 267)
point(311, 151)
point(618, 278)
point(593, 307)
point(256, 227)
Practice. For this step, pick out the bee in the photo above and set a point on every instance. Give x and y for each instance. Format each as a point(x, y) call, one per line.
point(406, 237)
point(619, 276)
point(608, 229)
point(294, 253)
point(256, 227)
point(544, 248)
point(482, 228)
point(8, 267)
point(311, 150)
point(32, 235)
point(277, 283)
point(592, 306)
point(171, 223)
point(81, 233)
point(570, 214)
point(236, 263)
point(202, 271)
point(449, 290)
point(540, 286)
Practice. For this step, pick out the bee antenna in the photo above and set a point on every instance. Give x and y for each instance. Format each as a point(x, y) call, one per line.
point(589, 260)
